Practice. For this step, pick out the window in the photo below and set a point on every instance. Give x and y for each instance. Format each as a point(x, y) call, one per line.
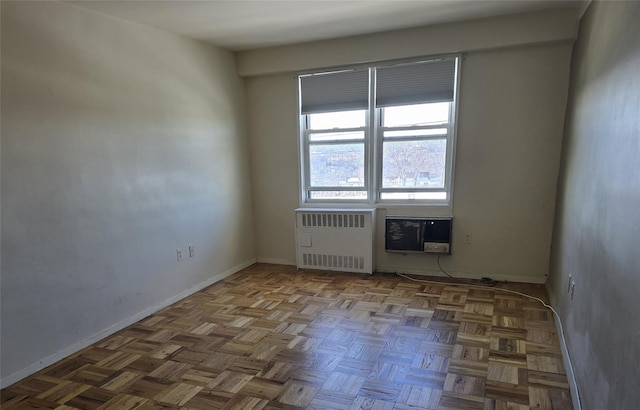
point(336, 148)
point(379, 134)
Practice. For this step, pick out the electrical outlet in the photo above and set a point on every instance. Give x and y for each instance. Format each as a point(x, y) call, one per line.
point(192, 251)
point(178, 255)
point(467, 238)
point(572, 288)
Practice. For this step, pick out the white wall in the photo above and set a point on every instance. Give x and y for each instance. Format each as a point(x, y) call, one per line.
point(597, 234)
point(509, 137)
point(120, 144)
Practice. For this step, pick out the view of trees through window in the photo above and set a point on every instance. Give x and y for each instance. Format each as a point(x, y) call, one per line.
point(413, 151)
point(339, 165)
point(414, 145)
point(414, 164)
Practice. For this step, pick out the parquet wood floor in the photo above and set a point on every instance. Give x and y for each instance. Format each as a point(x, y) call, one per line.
point(271, 337)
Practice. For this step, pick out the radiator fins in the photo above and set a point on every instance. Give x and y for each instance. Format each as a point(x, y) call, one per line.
point(314, 260)
point(332, 220)
point(335, 239)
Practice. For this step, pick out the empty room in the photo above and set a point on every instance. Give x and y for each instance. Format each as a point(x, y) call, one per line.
point(368, 204)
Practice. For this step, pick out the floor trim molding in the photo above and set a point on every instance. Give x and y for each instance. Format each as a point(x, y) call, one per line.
point(571, 376)
point(273, 261)
point(466, 275)
point(53, 358)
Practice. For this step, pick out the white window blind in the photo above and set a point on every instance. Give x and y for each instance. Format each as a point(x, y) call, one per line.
point(416, 83)
point(338, 91)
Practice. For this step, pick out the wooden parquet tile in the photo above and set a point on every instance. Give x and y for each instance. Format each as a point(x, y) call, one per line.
point(272, 337)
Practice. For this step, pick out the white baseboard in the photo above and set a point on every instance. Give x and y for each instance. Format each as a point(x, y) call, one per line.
point(463, 275)
point(430, 272)
point(417, 272)
point(51, 359)
point(571, 376)
point(273, 261)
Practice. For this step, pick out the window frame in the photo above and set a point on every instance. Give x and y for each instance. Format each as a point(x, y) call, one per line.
point(373, 146)
point(380, 140)
point(307, 131)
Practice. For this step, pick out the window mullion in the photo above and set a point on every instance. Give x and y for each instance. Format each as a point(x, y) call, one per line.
point(413, 189)
point(306, 158)
point(450, 149)
point(417, 127)
point(338, 142)
point(419, 138)
point(334, 130)
point(379, 150)
point(374, 150)
point(332, 188)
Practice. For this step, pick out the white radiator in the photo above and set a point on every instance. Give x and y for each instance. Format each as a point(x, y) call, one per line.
point(335, 239)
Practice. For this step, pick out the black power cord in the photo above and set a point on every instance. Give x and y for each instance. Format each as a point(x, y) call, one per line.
point(442, 270)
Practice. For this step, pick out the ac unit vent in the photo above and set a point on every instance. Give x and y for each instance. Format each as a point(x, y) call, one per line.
point(418, 234)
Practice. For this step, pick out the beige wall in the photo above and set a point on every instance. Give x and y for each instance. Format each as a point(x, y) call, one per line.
point(597, 235)
point(473, 35)
point(509, 137)
point(271, 106)
point(120, 144)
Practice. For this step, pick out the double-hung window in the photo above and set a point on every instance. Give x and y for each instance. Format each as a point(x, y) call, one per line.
point(379, 134)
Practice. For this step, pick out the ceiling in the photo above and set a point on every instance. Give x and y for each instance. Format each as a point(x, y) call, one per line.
point(249, 24)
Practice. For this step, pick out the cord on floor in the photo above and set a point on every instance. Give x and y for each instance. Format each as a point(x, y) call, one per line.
point(492, 287)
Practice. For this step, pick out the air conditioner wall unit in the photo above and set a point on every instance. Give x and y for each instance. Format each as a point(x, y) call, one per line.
point(335, 239)
point(418, 234)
